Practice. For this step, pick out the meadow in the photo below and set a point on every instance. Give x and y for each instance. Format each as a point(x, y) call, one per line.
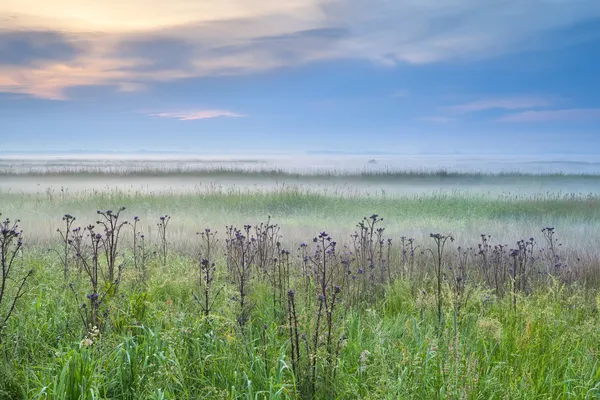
point(381, 284)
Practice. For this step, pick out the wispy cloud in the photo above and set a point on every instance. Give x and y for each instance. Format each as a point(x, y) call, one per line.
point(438, 119)
point(506, 103)
point(195, 115)
point(162, 41)
point(573, 114)
point(401, 93)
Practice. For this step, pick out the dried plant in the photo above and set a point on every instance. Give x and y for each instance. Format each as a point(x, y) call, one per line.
point(440, 242)
point(408, 255)
point(459, 280)
point(207, 269)
point(65, 237)
point(140, 253)
point(483, 252)
point(280, 280)
point(268, 238)
point(110, 242)
point(162, 225)
point(328, 278)
point(100, 286)
point(241, 255)
point(11, 288)
point(522, 261)
point(499, 266)
point(365, 243)
point(555, 264)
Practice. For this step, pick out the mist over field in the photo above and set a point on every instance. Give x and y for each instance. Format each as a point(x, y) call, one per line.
point(375, 173)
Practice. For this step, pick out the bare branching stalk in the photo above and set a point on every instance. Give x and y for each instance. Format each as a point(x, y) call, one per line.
point(241, 254)
point(65, 237)
point(162, 233)
point(459, 279)
point(140, 255)
point(371, 255)
point(99, 284)
point(11, 288)
point(499, 265)
point(110, 242)
point(268, 239)
point(207, 269)
point(408, 256)
point(440, 242)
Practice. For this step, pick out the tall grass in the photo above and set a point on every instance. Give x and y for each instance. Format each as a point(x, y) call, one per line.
point(456, 324)
point(546, 348)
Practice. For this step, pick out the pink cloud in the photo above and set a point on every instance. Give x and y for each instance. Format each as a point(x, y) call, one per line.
point(508, 103)
point(195, 115)
point(574, 114)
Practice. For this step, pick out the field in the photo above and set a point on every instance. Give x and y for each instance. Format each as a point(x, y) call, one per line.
point(231, 282)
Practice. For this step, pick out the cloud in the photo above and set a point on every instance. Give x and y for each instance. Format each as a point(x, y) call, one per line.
point(132, 87)
point(507, 103)
point(156, 54)
point(573, 114)
point(27, 47)
point(195, 115)
point(143, 42)
point(438, 119)
point(401, 93)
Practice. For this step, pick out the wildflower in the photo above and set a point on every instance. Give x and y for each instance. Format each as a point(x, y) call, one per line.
point(92, 296)
point(87, 342)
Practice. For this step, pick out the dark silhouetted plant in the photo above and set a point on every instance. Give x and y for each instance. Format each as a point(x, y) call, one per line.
point(440, 242)
point(110, 242)
point(140, 253)
point(408, 255)
point(499, 266)
point(555, 264)
point(11, 288)
point(65, 237)
point(99, 284)
point(241, 255)
point(207, 269)
point(483, 252)
point(459, 279)
point(267, 239)
point(280, 280)
point(328, 270)
point(162, 224)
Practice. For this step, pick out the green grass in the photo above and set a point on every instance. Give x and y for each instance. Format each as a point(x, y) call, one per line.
point(157, 344)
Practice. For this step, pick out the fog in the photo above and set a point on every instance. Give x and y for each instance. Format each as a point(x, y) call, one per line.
point(169, 173)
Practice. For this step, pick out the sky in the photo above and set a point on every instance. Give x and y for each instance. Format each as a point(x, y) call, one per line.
point(263, 77)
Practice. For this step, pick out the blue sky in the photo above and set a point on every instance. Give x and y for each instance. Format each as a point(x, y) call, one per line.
point(249, 76)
